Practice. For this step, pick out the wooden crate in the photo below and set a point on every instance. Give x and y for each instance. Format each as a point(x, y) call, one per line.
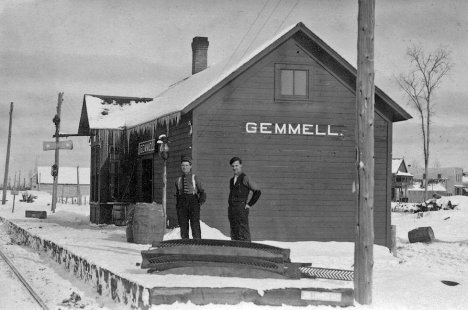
point(36, 214)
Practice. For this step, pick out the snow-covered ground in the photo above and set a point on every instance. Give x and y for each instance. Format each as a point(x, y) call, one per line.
point(410, 281)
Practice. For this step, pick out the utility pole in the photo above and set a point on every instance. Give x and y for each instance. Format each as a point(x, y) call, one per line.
point(7, 162)
point(55, 168)
point(78, 191)
point(364, 238)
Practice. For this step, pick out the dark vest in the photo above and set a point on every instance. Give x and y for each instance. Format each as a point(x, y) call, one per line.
point(239, 192)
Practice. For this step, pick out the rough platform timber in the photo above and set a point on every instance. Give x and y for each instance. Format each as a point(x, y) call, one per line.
point(120, 278)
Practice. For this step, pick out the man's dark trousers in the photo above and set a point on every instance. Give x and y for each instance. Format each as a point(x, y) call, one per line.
point(188, 209)
point(239, 219)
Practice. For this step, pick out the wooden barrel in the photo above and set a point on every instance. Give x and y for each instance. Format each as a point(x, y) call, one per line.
point(421, 234)
point(148, 223)
point(118, 213)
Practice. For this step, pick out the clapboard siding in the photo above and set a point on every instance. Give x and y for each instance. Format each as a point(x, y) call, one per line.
point(306, 181)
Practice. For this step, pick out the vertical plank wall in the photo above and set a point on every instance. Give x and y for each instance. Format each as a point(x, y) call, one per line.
point(306, 181)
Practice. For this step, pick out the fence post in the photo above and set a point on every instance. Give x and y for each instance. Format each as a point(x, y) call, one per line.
point(393, 245)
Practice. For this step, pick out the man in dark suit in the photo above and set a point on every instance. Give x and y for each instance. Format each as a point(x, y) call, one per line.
point(238, 211)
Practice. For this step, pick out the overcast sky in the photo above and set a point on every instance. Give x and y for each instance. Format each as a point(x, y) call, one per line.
point(139, 48)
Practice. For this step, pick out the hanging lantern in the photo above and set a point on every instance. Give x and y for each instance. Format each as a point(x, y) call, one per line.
point(163, 147)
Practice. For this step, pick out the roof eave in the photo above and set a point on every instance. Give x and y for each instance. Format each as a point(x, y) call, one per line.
point(83, 126)
point(398, 113)
point(242, 68)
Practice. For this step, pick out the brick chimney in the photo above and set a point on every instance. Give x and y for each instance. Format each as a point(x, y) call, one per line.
point(199, 54)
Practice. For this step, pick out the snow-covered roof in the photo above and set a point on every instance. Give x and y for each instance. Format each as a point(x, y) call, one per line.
point(404, 174)
point(181, 97)
point(106, 115)
point(102, 115)
point(67, 175)
point(431, 187)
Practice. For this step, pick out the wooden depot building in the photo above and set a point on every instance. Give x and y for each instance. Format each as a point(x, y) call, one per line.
point(287, 109)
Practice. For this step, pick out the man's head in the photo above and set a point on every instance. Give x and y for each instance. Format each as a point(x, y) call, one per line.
point(236, 164)
point(185, 164)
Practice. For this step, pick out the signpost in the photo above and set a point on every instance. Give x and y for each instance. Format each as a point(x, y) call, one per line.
point(63, 145)
point(14, 192)
point(56, 146)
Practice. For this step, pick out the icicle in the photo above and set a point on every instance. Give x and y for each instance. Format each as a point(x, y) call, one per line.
point(168, 119)
point(145, 296)
point(152, 125)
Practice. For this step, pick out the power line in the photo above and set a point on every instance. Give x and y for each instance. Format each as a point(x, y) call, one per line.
point(260, 30)
point(217, 109)
point(229, 60)
point(232, 55)
point(287, 16)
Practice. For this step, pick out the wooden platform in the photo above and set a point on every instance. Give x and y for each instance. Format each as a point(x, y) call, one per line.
point(126, 289)
point(225, 258)
point(235, 295)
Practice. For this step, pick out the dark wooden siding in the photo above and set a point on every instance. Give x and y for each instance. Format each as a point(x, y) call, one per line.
point(180, 144)
point(306, 181)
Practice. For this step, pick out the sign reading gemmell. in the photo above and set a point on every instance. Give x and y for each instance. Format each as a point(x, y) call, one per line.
point(62, 145)
point(294, 129)
point(146, 147)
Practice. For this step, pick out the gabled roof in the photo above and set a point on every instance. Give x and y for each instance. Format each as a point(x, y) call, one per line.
point(188, 93)
point(396, 163)
point(399, 167)
point(97, 109)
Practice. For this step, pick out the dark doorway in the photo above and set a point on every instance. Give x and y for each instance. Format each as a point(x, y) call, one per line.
point(146, 188)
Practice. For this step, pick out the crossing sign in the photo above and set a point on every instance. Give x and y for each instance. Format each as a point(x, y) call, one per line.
point(67, 145)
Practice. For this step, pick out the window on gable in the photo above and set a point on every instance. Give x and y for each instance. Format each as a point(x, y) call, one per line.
point(292, 82)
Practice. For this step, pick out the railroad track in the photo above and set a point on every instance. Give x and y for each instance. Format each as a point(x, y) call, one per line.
point(24, 282)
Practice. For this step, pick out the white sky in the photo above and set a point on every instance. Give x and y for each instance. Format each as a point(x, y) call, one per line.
point(139, 48)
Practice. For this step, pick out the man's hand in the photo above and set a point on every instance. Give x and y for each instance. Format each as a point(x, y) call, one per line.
point(247, 206)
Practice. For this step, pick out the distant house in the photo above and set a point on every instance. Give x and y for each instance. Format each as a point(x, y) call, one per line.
point(449, 177)
point(416, 191)
point(67, 181)
point(401, 180)
point(464, 186)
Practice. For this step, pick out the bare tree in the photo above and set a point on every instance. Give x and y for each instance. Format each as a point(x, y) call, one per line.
point(420, 84)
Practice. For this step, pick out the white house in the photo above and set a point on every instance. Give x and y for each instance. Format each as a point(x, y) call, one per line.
point(68, 180)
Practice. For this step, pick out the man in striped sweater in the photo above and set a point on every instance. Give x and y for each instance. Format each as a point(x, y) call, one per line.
point(190, 196)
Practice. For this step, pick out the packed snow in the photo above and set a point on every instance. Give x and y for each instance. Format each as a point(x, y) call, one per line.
point(412, 280)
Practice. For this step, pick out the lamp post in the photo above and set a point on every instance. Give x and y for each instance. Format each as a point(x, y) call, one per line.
point(164, 153)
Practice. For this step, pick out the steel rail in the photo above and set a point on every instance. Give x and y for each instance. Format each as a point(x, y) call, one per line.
point(20, 277)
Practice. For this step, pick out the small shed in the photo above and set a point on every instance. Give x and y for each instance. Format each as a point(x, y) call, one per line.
point(416, 191)
point(288, 109)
